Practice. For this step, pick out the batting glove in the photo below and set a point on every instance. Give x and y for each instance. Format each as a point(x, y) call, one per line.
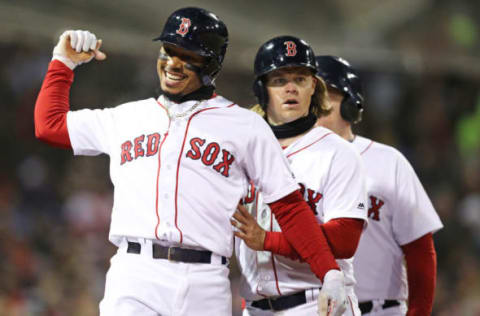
point(332, 300)
point(77, 47)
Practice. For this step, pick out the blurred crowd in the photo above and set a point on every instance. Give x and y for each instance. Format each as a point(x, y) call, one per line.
point(55, 209)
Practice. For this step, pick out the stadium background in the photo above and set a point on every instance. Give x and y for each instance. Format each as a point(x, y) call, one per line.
point(420, 66)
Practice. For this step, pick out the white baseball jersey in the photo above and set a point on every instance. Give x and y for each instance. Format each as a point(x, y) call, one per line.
point(399, 213)
point(332, 179)
point(180, 179)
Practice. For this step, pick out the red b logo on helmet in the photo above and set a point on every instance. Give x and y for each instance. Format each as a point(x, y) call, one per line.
point(184, 26)
point(291, 48)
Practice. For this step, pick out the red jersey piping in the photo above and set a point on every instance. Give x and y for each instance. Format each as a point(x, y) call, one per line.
point(305, 147)
point(178, 165)
point(273, 259)
point(369, 145)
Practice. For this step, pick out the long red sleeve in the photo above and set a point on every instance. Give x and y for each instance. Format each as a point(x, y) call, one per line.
point(342, 234)
point(421, 261)
point(278, 244)
point(303, 232)
point(53, 104)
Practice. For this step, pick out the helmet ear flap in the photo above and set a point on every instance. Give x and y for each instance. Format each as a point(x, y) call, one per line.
point(261, 93)
point(350, 110)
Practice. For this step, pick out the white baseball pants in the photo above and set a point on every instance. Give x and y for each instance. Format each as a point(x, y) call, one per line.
point(137, 284)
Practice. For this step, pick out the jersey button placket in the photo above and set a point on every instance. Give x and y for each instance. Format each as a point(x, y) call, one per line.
point(166, 184)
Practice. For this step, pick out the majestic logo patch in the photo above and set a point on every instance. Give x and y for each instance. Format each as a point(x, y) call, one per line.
point(291, 48)
point(184, 27)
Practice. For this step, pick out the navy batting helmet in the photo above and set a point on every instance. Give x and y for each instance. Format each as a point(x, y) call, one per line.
point(279, 52)
point(339, 74)
point(201, 32)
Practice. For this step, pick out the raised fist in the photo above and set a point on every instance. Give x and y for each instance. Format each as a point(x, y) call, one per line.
point(78, 47)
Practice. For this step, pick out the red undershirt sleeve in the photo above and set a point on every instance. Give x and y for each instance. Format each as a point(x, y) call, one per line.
point(303, 232)
point(421, 262)
point(50, 115)
point(278, 244)
point(342, 234)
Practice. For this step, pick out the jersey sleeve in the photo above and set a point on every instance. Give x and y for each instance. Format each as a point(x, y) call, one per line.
point(266, 164)
point(345, 192)
point(414, 215)
point(90, 131)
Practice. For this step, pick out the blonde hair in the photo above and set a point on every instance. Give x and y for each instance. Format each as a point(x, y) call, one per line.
point(319, 104)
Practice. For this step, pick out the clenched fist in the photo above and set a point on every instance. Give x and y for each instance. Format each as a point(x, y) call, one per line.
point(78, 47)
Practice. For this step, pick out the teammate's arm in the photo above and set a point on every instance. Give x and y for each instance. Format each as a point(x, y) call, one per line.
point(342, 234)
point(414, 222)
point(421, 261)
point(50, 116)
point(301, 230)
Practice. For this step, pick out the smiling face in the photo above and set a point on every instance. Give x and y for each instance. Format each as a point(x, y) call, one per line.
point(174, 68)
point(290, 92)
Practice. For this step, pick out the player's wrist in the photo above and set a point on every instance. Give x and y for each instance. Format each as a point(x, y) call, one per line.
point(65, 60)
point(263, 237)
point(270, 242)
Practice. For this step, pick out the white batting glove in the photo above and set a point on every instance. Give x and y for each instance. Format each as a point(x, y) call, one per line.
point(332, 300)
point(77, 47)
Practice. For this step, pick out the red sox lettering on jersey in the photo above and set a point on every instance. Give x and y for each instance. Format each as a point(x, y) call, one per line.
point(137, 148)
point(209, 155)
point(311, 197)
point(374, 209)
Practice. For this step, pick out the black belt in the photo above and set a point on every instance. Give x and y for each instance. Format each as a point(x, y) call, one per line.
point(366, 307)
point(175, 253)
point(282, 302)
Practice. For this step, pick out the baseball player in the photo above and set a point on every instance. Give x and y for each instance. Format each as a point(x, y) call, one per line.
point(329, 172)
point(179, 164)
point(401, 216)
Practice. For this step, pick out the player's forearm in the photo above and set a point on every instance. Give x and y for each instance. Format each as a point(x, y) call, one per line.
point(303, 232)
point(52, 105)
point(278, 244)
point(421, 262)
point(342, 234)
